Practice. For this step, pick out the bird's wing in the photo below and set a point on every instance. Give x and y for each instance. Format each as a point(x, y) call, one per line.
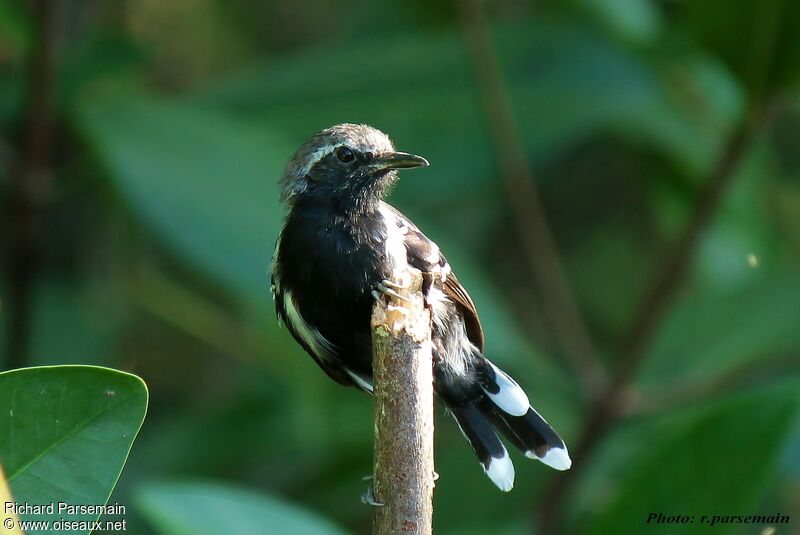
point(324, 352)
point(424, 255)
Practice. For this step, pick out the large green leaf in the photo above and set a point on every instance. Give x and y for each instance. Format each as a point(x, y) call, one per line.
point(717, 461)
point(206, 508)
point(204, 181)
point(65, 433)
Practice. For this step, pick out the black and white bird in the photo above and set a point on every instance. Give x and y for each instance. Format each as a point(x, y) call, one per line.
point(340, 242)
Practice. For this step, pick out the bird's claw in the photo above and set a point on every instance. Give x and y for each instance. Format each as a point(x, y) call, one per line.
point(369, 498)
point(387, 287)
point(396, 285)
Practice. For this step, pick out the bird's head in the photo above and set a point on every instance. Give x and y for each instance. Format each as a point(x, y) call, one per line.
point(352, 165)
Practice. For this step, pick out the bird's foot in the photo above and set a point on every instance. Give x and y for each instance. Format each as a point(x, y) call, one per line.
point(369, 498)
point(387, 287)
point(404, 284)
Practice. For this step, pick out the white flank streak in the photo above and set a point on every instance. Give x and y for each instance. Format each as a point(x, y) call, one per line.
point(320, 345)
point(362, 383)
point(501, 472)
point(557, 458)
point(395, 243)
point(438, 303)
point(276, 279)
point(511, 398)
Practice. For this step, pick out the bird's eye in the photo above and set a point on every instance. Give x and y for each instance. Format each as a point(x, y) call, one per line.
point(345, 155)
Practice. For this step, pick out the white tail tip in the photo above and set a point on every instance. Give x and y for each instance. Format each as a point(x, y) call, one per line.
point(557, 458)
point(501, 472)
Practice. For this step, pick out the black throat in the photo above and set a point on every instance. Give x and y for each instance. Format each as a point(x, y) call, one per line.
point(330, 225)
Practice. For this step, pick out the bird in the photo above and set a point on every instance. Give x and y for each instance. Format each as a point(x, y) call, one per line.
point(340, 244)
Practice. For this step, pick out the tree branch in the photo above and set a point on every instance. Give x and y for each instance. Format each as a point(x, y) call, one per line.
point(403, 390)
point(30, 183)
point(538, 246)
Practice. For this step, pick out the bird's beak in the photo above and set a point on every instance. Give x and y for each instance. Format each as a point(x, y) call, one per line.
point(397, 160)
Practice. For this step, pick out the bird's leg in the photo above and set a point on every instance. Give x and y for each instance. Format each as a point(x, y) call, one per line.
point(369, 498)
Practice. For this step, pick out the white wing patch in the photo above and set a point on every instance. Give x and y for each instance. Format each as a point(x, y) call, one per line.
point(395, 245)
point(321, 346)
point(434, 255)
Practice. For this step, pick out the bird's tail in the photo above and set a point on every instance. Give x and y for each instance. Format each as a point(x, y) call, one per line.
point(504, 407)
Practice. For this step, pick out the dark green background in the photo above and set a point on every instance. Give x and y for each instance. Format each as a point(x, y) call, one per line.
point(171, 123)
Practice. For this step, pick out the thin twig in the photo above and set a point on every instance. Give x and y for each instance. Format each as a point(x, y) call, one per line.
point(538, 245)
point(403, 389)
point(615, 402)
point(30, 183)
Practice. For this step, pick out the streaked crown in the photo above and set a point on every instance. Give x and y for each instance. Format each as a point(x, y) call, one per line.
point(360, 137)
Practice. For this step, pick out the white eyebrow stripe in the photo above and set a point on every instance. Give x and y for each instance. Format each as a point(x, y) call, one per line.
point(316, 156)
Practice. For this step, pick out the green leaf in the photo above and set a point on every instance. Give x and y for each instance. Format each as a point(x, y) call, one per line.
point(208, 508)
point(717, 462)
point(65, 433)
point(204, 181)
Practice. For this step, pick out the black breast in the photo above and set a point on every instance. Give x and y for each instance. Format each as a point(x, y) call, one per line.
point(331, 264)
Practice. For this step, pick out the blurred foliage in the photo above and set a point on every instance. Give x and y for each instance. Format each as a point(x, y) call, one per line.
point(718, 438)
point(203, 508)
point(173, 121)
